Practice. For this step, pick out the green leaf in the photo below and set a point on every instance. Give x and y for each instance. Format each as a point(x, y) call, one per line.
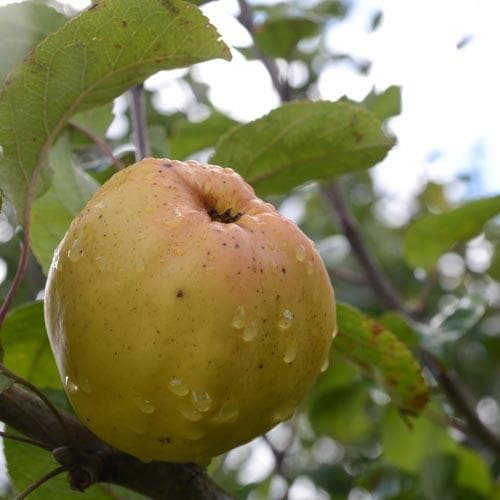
point(27, 349)
point(26, 464)
point(385, 104)
point(381, 354)
point(279, 37)
point(434, 234)
point(22, 26)
point(376, 20)
point(342, 413)
point(302, 141)
point(96, 120)
point(335, 8)
point(410, 447)
point(438, 476)
point(89, 61)
point(53, 212)
point(494, 270)
point(188, 137)
point(397, 324)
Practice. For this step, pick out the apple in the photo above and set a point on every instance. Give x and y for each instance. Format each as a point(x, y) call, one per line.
point(186, 315)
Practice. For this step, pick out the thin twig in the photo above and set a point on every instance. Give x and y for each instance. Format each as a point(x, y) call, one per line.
point(138, 116)
point(461, 400)
point(375, 276)
point(22, 439)
point(281, 85)
point(102, 145)
point(42, 480)
point(33, 388)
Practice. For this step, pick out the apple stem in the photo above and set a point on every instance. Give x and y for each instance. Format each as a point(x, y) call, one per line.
point(139, 127)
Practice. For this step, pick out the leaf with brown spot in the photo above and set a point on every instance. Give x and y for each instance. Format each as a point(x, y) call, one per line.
point(377, 351)
point(86, 63)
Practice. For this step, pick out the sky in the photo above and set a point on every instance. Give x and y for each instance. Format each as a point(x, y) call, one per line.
point(450, 97)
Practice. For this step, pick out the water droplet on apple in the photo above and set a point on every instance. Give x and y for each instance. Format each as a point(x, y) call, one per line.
point(57, 260)
point(300, 252)
point(71, 387)
point(326, 364)
point(309, 267)
point(175, 219)
point(228, 413)
point(146, 406)
point(286, 411)
point(178, 387)
point(194, 434)
point(335, 331)
point(76, 251)
point(190, 413)
point(201, 400)
point(84, 385)
point(100, 263)
point(250, 332)
point(286, 319)
point(290, 354)
point(239, 318)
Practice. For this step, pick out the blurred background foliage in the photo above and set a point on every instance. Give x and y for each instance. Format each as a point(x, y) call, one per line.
point(349, 441)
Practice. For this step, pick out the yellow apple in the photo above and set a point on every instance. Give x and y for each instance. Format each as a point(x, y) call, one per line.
point(186, 315)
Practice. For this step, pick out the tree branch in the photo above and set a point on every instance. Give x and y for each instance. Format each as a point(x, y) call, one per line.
point(281, 85)
point(460, 399)
point(139, 127)
point(375, 276)
point(92, 460)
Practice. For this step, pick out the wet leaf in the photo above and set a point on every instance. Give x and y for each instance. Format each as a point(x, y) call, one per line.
point(302, 141)
point(381, 354)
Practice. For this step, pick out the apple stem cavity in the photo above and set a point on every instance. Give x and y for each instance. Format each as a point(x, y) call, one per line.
point(225, 217)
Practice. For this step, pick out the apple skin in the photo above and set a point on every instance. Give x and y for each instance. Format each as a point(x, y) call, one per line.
point(178, 334)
